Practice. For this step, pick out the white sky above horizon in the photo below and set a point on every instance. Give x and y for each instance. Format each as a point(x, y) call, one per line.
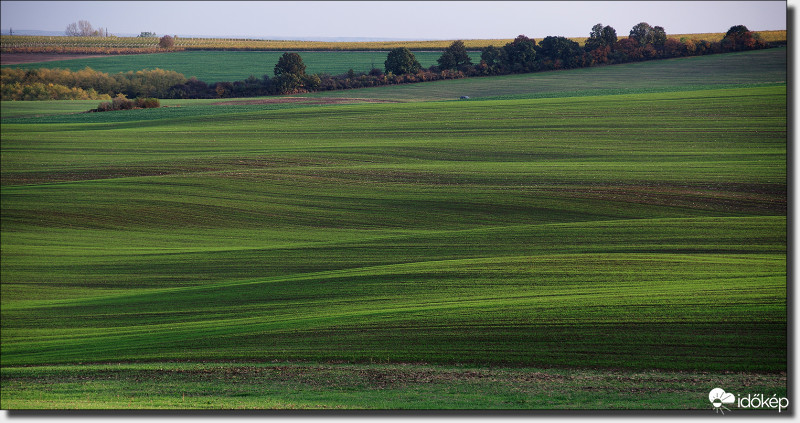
point(392, 19)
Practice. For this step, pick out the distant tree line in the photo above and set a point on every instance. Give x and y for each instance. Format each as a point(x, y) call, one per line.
point(522, 55)
point(289, 75)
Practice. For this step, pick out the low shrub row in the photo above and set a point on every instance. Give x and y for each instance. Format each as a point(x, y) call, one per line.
point(120, 102)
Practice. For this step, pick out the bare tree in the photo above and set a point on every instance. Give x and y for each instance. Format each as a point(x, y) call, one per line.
point(85, 28)
point(72, 30)
point(81, 29)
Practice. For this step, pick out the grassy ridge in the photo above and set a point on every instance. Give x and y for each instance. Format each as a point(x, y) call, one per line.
point(646, 229)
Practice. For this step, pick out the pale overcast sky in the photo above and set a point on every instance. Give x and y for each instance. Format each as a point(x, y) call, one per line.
point(392, 19)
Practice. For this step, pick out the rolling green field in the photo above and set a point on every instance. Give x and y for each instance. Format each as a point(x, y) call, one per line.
point(579, 251)
point(335, 386)
point(215, 66)
point(754, 68)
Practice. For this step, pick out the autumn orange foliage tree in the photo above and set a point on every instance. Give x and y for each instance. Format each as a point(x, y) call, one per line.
point(166, 42)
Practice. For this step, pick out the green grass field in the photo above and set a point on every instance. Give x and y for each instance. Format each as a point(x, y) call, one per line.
point(215, 66)
point(334, 386)
point(580, 251)
point(755, 68)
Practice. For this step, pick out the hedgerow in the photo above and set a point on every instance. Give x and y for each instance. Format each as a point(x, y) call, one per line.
point(61, 84)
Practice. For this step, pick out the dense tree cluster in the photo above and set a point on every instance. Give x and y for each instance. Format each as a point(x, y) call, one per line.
point(523, 54)
point(644, 42)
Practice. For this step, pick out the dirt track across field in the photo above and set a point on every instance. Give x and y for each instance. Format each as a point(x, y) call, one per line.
point(19, 58)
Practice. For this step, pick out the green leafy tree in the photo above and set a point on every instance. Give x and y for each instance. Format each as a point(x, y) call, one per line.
point(609, 35)
point(291, 64)
point(290, 74)
point(601, 36)
point(454, 56)
point(642, 33)
point(312, 82)
point(400, 61)
point(595, 39)
point(492, 55)
point(520, 54)
point(659, 37)
point(561, 49)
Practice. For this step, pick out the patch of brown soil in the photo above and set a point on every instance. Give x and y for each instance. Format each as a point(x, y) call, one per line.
point(304, 100)
point(19, 58)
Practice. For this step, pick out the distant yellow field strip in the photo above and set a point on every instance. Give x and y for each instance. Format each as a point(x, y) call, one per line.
point(67, 43)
